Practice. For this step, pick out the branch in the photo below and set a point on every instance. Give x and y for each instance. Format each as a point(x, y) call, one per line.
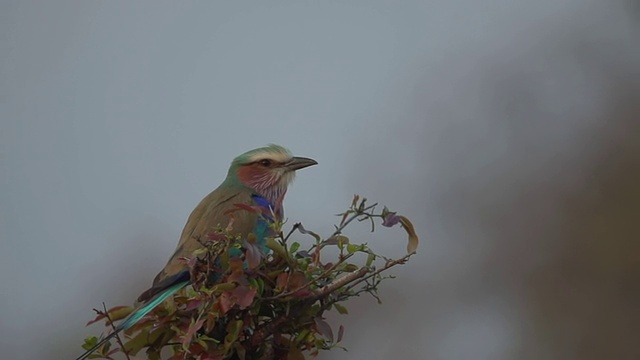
point(340, 282)
point(118, 339)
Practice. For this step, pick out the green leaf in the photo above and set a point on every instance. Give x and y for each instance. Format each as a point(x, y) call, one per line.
point(350, 267)
point(302, 335)
point(89, 342)
point(115, 313)
point(277, 248)
point(233, 330)
point(351, 248)
point(370, 259)
point(341, 309)
point(294, 247)
point(140, 341)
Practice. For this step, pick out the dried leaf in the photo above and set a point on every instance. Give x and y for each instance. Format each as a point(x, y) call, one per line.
point(308, 232)
point(413, 237)
point(354, 202)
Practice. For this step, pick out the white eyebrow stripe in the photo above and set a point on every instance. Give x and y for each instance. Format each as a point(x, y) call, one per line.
point(275, 156)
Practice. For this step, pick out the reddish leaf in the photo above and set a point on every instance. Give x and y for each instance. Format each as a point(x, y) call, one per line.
point(113, 352)
point(96, 319)
point(323, 328)
point(297, 280)
point(244, 296)
point(281, 281)
point(193, 304)
point(252, 254)
point(340, 333)
point(226, 302)
point(253, 209)
point(191, 262)
point(344, 217)
point(356, 197)
point(217, 236)
point(193, 328)
point(237, 275)
point(295, 354)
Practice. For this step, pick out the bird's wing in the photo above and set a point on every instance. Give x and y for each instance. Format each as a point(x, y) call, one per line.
point(215, 210)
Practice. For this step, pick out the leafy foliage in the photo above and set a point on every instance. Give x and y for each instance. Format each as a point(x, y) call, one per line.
point(243, 304)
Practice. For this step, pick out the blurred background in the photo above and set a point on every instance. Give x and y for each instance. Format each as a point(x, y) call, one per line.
point(509, 131)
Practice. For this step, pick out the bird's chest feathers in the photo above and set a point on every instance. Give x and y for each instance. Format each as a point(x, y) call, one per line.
point(268, 214)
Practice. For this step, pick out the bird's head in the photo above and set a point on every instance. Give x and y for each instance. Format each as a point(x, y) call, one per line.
point(268, 170)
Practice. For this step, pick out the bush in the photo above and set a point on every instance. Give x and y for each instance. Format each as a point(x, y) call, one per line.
point(261, 307)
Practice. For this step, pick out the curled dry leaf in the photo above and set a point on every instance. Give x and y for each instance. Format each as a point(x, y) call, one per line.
point(413, 237)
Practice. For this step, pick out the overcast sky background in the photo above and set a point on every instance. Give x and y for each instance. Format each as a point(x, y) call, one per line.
point(509, 131)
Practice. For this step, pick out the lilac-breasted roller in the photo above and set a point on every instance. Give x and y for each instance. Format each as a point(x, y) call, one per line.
point(259, 177)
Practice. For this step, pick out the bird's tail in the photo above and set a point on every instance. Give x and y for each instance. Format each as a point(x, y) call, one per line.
point(136, 315)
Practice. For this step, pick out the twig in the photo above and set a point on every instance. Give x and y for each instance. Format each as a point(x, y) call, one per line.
point(340, 282)
point(386, 266)
point(118, 339)
point(342, 226)
point(293, 229)
point(357, 214)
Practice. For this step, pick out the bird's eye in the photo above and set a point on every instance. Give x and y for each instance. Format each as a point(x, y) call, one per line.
point(265, 162)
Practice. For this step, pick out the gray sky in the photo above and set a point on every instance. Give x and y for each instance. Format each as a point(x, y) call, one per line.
point(507, 130)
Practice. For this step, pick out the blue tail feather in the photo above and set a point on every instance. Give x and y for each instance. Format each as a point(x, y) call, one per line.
point(136, 315)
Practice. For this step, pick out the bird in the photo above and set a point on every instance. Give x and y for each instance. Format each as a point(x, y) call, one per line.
point(257, 178)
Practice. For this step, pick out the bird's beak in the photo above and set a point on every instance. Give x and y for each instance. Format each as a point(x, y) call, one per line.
point(298, 163)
